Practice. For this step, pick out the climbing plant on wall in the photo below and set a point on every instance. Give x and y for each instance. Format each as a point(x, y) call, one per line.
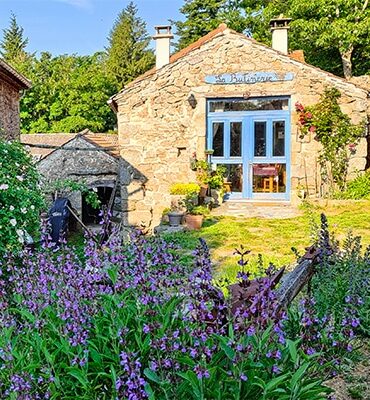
point(335, 131)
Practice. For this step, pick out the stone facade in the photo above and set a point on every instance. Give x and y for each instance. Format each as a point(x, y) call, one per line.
point(159, 130)
point(91, 158)
point(11, 84)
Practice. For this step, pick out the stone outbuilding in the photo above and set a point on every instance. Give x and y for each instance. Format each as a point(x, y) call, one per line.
point(12, 84)
point(86, 157)
point(232, 95)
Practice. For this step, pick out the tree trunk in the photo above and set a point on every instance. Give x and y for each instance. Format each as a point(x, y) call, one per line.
point(346, 62)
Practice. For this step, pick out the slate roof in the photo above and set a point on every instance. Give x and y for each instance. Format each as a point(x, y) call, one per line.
point(42, 144)
point(15, 76)
point(296, 56)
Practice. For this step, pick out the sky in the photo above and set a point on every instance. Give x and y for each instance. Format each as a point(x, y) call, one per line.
point(78, 26)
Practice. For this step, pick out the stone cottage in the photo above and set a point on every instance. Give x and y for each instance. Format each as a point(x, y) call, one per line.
point(12, 84)
point(91, 158)
point(235, 96)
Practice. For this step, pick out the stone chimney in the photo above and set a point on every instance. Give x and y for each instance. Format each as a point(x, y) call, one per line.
point(163, 38)
point(279, 28)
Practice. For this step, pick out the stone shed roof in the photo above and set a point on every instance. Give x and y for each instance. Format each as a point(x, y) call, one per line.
point(296, 56)
point(42, 144)
point(14, 76)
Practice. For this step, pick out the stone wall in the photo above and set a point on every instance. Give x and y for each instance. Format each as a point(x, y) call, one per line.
point(95, 168)
point(9, 111)
point(159, 130)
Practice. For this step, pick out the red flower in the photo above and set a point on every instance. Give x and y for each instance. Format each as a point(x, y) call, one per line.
point(299, 107)
point(312, 128)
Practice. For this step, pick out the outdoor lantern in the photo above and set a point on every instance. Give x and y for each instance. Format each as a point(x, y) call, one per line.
point(192, 101)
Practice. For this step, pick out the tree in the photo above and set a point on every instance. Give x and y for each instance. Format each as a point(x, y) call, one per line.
point(13, 46)
point(69, 94)
point(201, 17)
point(329, 31)
point(128, 52)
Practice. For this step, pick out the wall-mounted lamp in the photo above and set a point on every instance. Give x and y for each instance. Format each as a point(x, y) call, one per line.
point(192, 101)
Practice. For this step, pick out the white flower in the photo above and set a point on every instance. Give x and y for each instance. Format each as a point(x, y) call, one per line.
point(11, 208)
point(13, 222)
point(20, 178)
point(24, 210)
point(32, 207)
point(4, 186)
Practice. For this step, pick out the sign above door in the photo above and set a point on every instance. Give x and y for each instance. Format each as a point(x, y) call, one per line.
point(248, 78)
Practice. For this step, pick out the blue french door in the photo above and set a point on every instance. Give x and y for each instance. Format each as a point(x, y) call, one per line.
point(254, 147)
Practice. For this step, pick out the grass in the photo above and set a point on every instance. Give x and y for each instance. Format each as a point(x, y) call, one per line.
point(274, 238)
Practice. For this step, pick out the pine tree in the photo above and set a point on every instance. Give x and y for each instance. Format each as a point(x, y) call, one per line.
point(128, 52)
point(202, 16)
point(13, 46)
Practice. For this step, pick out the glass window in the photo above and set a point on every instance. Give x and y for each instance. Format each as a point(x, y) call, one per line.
point(278, 137)
point(248, 105)
point(218, 139)
point(260, 139)
point(235, 139)
point(233, 181)
point(269, 178)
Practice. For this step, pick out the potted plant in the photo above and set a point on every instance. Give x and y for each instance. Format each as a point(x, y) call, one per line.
point(194, 213)
point(175, 215)
point(216, 183)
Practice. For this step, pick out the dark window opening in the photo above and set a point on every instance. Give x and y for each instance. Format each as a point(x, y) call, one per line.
point(90, 215)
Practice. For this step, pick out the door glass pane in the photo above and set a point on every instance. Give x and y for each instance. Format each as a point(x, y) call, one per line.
point(278, 137)
point(218, 139)
point(235, 139)
point(233, 178)
point(269, 178)
point(260, 139)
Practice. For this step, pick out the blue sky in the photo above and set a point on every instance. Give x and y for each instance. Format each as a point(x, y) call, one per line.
point(78, 26)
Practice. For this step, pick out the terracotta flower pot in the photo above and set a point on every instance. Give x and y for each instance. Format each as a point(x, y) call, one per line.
point(194, 222)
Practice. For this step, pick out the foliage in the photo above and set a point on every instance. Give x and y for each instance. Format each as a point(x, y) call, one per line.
point(131, 322)
point(335, 131)
point(185, 189)
point(332, 34)
point(20, 197)
point(217, 177)
point(128, 52)
point(69, 94)
point(359, 188)
point(13, 46)
point(202, 17)
point(341, 286)
point(207, 176)
point(62, 187)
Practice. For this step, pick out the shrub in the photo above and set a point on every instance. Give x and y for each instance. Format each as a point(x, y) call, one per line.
point(357, 189)
point(20, 197)
point(131, 322)
point(186, 189)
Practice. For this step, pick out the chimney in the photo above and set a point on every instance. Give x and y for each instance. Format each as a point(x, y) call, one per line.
point(163, 38)
point(279, 28)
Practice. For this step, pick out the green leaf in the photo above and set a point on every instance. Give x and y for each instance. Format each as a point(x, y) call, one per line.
point(298, 374)
point(152, 375)
point(276, 381)
point(292, 350)
point(80, 376)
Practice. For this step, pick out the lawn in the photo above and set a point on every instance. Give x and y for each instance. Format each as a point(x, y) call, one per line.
point(274, 238)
